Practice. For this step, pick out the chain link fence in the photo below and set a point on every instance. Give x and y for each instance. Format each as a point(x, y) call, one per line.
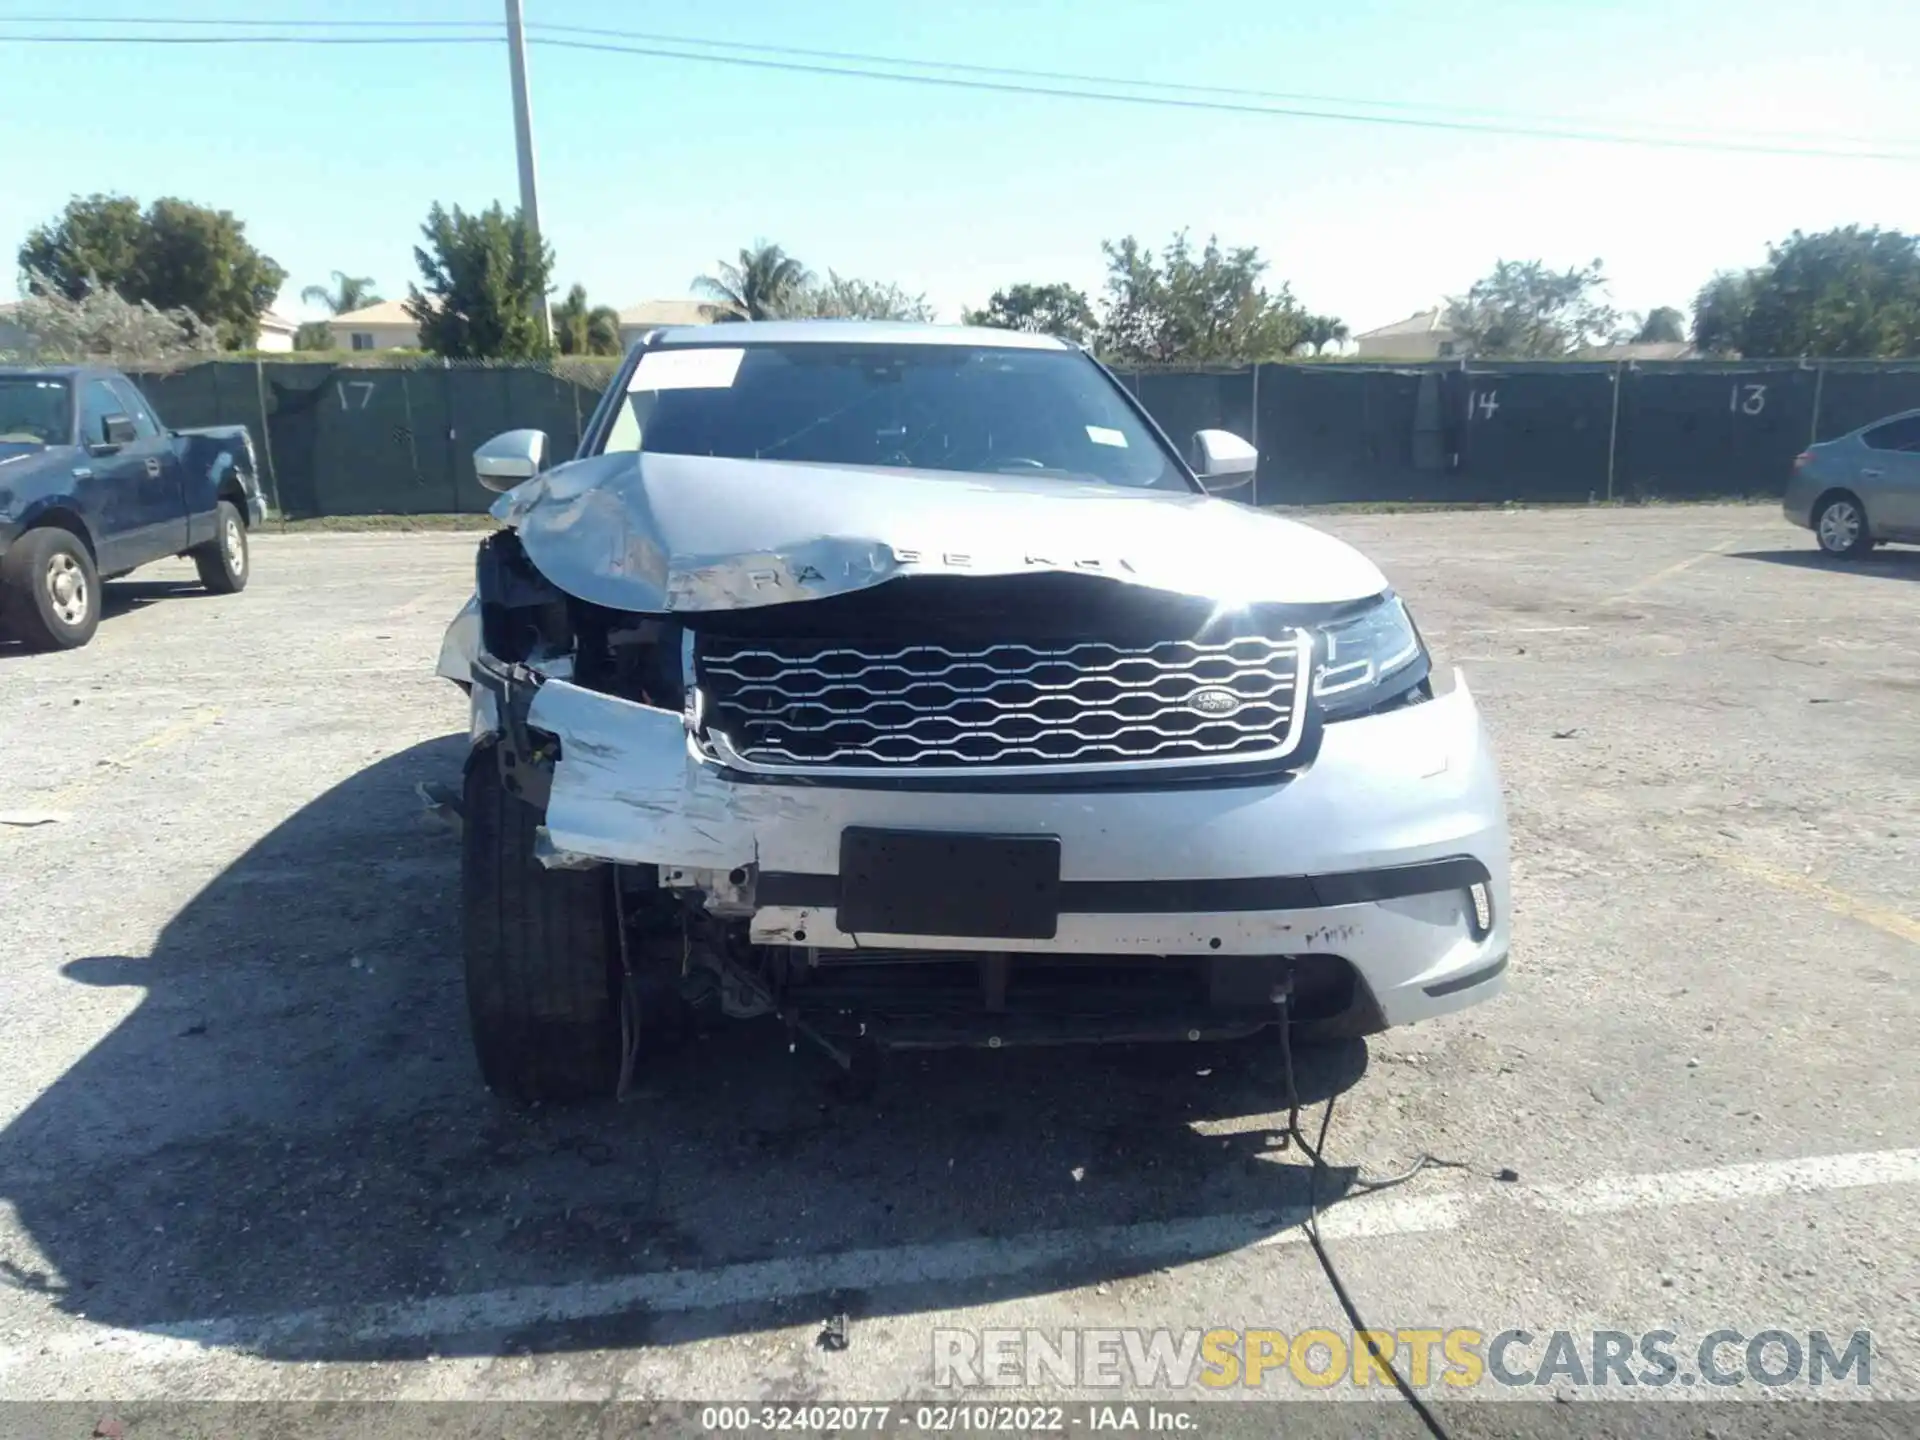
point(398, 437)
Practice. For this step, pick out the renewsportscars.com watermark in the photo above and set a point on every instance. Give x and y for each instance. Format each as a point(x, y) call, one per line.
point(1453, 1360)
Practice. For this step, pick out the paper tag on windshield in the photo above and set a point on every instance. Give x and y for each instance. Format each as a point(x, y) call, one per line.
point(1101, 435)
point(699, 369)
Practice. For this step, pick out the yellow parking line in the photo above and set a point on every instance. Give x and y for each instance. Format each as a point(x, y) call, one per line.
point(1892, 922)
point(1676, 568)
point(1838, 901)
point(173, 734)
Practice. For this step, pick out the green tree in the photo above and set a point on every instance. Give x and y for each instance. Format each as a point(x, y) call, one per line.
point(765, 283)
point(1324, 330)
point(173, 256)
point(841, 297)
point(349, 292)
point(583, 329)
point(1524, 311)
point(200, 260)
point(313, 335)
point(1664, 325)
point(1720, 313)
point(485, 277)
point(1056, 309)
point(1194, 308)
point(1853, 292)
point(97, 241)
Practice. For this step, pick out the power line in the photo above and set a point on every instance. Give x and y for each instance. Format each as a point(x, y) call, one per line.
point(1533, 132)
point(250, 39)
point(1060, 84)
point(1084, 78)
point(864, 58)
point(490, 25)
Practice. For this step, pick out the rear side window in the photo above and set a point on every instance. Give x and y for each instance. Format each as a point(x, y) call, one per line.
point(135, 407)
point(97, 402)
point(1895, 435)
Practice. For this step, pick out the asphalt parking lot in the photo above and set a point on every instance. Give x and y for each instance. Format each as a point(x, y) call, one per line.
point(244, 1152)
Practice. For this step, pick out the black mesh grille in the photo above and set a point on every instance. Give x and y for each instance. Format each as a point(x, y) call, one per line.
point(787, 704)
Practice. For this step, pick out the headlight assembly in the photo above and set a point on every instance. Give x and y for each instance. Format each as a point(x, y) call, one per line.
point(1370, 659)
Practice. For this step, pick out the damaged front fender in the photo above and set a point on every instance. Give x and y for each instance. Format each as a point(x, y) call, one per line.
point(461, 645)
point(628, 787)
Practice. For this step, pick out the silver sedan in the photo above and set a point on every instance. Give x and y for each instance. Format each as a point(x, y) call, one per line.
point(1862, 489)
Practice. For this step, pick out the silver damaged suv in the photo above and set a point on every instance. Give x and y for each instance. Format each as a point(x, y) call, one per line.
point(905, 683)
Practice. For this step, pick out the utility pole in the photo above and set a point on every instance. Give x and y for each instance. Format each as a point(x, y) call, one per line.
point(523, 140)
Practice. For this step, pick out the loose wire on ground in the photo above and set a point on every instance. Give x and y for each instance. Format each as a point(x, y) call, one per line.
point(1316, 1163)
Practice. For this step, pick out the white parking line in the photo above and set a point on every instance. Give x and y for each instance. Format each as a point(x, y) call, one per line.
point(1134, 1247)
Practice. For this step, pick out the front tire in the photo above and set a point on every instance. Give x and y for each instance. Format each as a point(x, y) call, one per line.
point(542, 954)
point(224, 562)
point(50, 590)
point(1841, 528)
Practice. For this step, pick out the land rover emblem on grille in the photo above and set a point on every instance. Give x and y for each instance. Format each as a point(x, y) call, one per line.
point(1215, 702)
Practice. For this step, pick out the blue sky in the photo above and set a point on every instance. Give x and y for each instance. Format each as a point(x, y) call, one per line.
point(652, 169)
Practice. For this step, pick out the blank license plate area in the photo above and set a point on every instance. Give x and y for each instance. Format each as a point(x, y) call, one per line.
point(918, 882)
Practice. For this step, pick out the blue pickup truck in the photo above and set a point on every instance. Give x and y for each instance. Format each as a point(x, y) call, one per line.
point(92, 486)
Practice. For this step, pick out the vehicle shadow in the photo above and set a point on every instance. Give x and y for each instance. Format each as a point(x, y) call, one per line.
point(1881, 564)
point(285, 1146)
point(117, 598)
point(123, 597)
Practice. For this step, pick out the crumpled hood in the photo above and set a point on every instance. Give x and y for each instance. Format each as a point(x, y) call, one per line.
point(658, 533)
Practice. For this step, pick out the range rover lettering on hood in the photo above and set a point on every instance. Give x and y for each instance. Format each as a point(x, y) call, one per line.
point(659, 533)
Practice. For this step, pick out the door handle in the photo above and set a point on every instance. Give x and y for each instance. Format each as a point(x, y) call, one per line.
point(83, 473)
point(153, 466)
point(1871, 474)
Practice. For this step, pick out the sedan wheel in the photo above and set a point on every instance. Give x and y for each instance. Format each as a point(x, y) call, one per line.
point(1842, 527)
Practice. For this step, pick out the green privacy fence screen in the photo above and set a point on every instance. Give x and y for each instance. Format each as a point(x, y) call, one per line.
point(399, 438)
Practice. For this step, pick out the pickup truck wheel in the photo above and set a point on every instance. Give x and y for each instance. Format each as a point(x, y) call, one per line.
point(223, 562)
point(542, 955)
point(50, 590)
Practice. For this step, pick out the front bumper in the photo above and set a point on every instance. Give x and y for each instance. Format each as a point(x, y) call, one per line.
point(1367, 854)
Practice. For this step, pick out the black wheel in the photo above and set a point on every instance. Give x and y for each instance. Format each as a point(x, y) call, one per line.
point(542, 954)
point(224, 562)
point(50, 590)
point(1840, 525)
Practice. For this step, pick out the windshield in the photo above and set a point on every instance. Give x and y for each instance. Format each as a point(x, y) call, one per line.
point(975, 409)
point(35, 410)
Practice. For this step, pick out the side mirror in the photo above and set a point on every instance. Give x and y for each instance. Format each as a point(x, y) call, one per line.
point(1222, 460)
point(507, 459)
point(117, 430)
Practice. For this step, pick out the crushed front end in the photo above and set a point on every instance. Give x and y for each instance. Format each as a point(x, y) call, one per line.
point(998, 809)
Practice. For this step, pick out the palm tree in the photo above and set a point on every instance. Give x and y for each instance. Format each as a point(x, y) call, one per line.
point(762, 286)
point(581, 329)
point(1325, 330)
point(349, 292)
